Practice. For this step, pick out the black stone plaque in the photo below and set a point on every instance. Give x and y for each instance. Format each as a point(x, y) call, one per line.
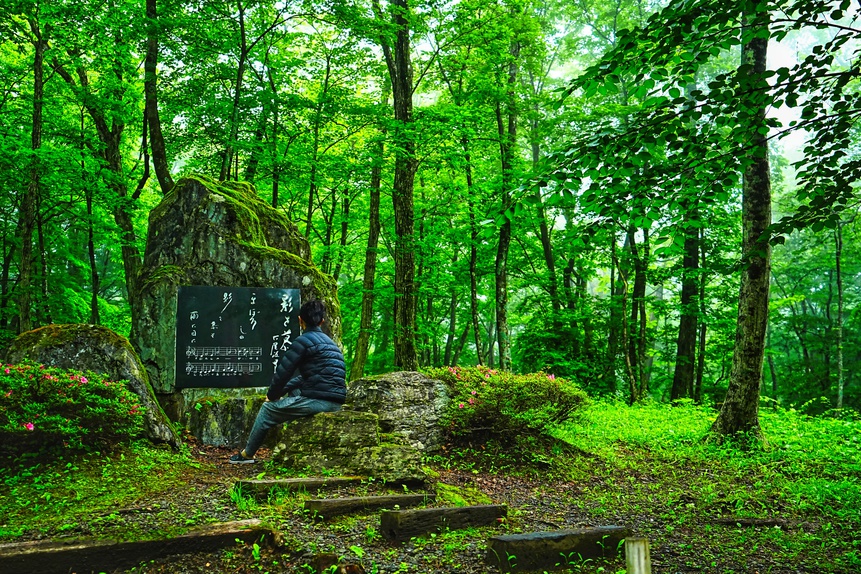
point(232, 336)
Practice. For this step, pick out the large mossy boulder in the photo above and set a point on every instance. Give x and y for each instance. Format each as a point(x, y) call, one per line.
point(408, 403)
point(215, 234)
point(100, 350)
point(224, 421)
point(349, 443)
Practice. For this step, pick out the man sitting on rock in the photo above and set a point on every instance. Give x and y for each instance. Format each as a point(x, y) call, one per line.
point(319, 387)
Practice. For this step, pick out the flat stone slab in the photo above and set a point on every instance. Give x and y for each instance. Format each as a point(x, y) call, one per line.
point(89, 555)
point(262, 488)
point(328, 507)
point(554, 549)
point(399, 525)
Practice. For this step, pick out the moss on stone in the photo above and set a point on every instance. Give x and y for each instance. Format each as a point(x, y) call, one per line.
point(164, 274)
point(460, 495)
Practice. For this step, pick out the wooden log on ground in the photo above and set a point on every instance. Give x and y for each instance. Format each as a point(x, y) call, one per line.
point(637, 559)
point(262, 488)
point(555, 549)
point(62, 557)
point(329, 507)
point(402, 525)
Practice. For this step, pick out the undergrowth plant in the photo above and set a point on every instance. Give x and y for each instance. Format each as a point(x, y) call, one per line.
point(505, 406)
point(45, 406)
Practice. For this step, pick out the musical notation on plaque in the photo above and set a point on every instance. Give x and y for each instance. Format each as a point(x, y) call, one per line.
point(232, 336)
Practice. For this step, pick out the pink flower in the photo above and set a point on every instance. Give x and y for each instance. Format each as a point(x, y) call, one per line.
point(28, 426)
point(460, 406)
point(83, 379)
point(7, 370)
point(471, 401)
point(9, 394)
point(473, 392)
point(551, 377)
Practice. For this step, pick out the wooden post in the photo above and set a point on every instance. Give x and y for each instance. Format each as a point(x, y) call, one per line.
point(637, 559)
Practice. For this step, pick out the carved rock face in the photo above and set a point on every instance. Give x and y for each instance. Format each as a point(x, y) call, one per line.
point(98, 349)
point(408, 403)
point(218, 234)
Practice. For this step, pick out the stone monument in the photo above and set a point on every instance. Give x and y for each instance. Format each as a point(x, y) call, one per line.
point(207, 233)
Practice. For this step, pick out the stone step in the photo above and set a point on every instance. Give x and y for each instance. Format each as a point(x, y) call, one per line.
point(263, 487)
point(100, 555)
point(329, 507)
point(400, 525)
point(554, 549)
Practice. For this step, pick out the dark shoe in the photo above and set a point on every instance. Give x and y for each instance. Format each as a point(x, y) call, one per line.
point(239, 459)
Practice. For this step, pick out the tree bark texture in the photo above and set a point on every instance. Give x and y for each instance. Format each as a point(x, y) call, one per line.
point(683, 377)
point(401, 74)
point(838, 255)
point(740, 411)
point(357, 368)
point(507, 129)
point(27, 211)
point(156, 139)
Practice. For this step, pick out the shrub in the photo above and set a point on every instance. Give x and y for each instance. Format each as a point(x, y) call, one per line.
point(42, 406)
point(504, 406)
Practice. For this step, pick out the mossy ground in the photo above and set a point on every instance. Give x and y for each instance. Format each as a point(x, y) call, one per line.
point(647, 469)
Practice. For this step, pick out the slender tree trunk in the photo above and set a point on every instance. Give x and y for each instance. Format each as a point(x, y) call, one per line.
point(229, 148)
point(95, 283)
point(5, 288)
point(27, 211)
point(473, 252)
point(315, 149)
point(701, 353)
point(44, 305)
point(452, 326)
point(546, 246)
point(401, 75)
point(740, 411)
point(461, 343)
point(838, 254)
point(683, 377)
point(616, 321)
point(342, 242)
point(507, 129)
point(357, 368)
point(156, 139)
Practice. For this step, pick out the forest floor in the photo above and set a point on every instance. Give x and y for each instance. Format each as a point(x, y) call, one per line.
point(720, 513)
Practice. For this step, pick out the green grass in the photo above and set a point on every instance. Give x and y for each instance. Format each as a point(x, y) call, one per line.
point(653, 462)
point(56, 493)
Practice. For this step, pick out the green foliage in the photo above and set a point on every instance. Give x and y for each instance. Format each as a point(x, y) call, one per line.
point(44, 407)
point(505, 406)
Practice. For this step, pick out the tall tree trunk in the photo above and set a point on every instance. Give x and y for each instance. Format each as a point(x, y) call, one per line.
point(315, 149)
point(357, 368)
point(616, 319)
point(5, 288)
point(44, 305)
point(27, 211)
point(544, 237)
point(740, 411)
point(156, 139)
point(683, 377)
point(230, 146)
point(701, 352)
point(507, 130)
point(401, 75)
point(461, 342)
point(452, 324)
point(342, 242)
point(838, 254)
point(473, 252)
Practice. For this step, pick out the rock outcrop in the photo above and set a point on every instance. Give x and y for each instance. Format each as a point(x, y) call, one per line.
point(408, 404)
point(100, 350)
point(346, 442)
point(215, 234)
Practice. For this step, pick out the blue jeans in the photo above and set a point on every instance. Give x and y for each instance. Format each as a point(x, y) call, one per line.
point(289, 408)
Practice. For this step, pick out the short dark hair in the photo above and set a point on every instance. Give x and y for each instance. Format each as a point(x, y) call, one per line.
point(312, 312)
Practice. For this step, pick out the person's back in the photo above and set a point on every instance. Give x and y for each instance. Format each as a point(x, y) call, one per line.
point(309, 378)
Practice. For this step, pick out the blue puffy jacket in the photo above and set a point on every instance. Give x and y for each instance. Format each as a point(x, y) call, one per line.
point(320, 365)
